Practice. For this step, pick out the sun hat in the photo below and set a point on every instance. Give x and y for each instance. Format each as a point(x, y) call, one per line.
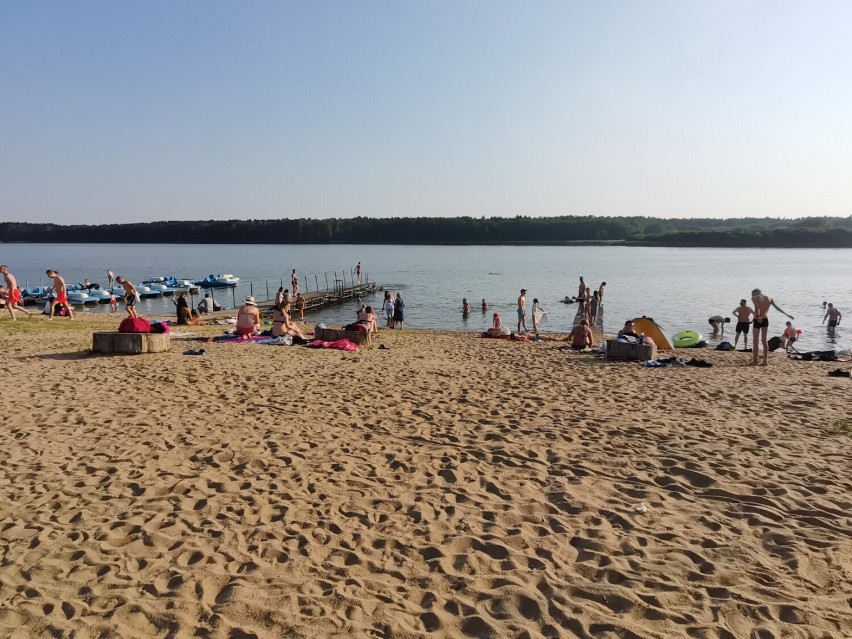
point(249, 300)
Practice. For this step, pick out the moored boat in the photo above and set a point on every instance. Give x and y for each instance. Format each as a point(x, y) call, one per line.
point(226, 280)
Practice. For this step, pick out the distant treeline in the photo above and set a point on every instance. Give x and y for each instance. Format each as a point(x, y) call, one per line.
point(764, 232)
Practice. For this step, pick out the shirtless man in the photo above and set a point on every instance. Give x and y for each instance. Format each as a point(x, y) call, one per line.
point(13, 301)
point(743, 313)
point(129, 295)
point(358, 273)
point(522, 311)
point(601, 292)
point(832, 315)
point(581, 336)
point(61, 291)
point(294, 280)
point(581, 292)
point(762, 304)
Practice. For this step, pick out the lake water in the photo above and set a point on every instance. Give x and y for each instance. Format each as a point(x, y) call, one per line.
point(679, 287)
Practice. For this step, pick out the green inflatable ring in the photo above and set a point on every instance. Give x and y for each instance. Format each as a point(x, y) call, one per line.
point(686, 339)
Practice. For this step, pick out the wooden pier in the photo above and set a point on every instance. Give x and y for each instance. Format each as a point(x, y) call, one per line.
point(313, 300)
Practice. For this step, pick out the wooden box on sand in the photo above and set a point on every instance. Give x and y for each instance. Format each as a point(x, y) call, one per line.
point(361, 338)
point(130, 343)
point(625, 350)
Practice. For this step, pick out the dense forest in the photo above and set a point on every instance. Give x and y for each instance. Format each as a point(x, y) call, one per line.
point(744, 232)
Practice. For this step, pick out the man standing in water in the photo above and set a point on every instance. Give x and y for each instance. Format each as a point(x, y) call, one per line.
point(832, 315)
point(61, 291)
point(14, 301)
point(743, 313)
point(129, 295)
point(522, 311)
point(762, 303)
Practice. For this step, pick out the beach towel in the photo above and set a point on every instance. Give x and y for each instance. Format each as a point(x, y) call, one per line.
point(134, 325)
point(340, 345)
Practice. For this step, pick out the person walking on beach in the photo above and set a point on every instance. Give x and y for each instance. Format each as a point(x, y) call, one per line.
point(130, 295)
point(522, 311)
point(358, 273)
point(13, 302)
point(762, 304)
point(61, 291)
point(832, 315)
point(399, 311)
point(743, 313)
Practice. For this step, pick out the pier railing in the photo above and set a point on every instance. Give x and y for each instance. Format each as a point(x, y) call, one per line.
point(318, 289)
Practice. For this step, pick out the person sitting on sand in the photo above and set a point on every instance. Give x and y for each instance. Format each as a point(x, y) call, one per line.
point(184, 315)
point(581, 336)
point(281, 324)
point(248, 318)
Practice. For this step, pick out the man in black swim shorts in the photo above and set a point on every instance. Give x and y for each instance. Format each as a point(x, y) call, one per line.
point(833, 316)
point(762, 304)
point(743, 313)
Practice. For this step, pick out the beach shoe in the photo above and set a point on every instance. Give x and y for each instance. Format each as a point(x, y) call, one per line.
point(382, 347)
point(699, 363)
point(839, 373)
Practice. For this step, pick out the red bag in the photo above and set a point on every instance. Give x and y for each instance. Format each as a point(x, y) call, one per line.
point(134, 325)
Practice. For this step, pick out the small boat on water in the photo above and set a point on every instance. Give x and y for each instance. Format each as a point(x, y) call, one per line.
point(146, 292)
point(169, 285)
point(102, 296)
point(81, 298)
point(226, 280)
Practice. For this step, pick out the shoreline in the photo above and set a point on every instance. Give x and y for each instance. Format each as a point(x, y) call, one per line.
point(444, 486)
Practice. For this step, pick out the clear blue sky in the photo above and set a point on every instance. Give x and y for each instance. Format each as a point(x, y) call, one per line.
point(138, 111)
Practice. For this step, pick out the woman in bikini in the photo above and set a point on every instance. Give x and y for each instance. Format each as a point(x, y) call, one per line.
point(248, 318)
point(281, 324)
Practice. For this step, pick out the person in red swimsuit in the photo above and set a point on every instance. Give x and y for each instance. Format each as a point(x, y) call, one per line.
point(13, 303)
point(61, 291)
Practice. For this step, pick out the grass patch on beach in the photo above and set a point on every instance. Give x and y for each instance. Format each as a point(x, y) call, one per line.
point(841, 427)
point(39, 324)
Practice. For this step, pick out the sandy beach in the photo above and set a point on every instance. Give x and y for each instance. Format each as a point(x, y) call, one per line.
point(445, 486)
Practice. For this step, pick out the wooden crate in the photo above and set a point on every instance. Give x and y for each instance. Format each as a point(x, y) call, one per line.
point(130, 343)
point(625, 350)
point(360, 338)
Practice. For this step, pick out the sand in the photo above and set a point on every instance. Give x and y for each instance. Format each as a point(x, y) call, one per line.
point(446, 486)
